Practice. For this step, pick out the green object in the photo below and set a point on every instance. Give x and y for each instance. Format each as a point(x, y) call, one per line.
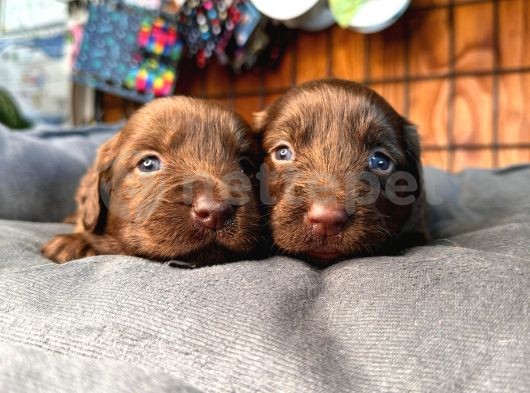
point(10, 116)
point(344, 10)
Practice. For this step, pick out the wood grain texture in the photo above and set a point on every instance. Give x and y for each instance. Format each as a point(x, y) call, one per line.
point(394, 93)
point(474, 48)
point(438, 159)
point(312, 59)
point(473, 106)
point(514, 33)
point(429, 42)
point(387, 53)
point(471, 159)
point(250, 81)
point(513, 156)
point(113, 108)
point(428, 109)
point(217, 80)
point(514, 108)
point(246, 106)
point(282, 76)
point(348, 55)
point(409, 64)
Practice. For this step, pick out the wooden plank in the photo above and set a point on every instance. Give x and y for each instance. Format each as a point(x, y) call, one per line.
point(428, 110)
point(429, 42)
point(514, 33)
point(348, 54)
point(282, 76)
point(246, 106)
point(387, 53)
point(217, 79)
point(394, 93)
point(514, 108)
point(311, 57)
point(474, 48)
point(249, 81)
point(437, 159)
point(463, 159)
point(473, 107)
point(514, 156)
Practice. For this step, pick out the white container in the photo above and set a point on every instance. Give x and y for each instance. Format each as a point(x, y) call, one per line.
point(376, 15)
point(309, 15)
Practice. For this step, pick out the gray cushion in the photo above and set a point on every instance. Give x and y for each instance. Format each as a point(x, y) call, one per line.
point(452, 316)
point(40, 170)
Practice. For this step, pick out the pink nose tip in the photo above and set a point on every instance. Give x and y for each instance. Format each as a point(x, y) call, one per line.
point(211, 212)
point(327, 220)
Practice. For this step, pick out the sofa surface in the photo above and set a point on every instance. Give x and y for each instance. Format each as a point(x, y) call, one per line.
point(451, 316)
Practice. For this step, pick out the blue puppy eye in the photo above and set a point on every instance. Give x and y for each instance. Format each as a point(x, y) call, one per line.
point(283, 153)
point(149, 164)
point(380, 162)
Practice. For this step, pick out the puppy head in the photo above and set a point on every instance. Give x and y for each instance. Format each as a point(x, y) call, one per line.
point(176, 183)
point(344, 170)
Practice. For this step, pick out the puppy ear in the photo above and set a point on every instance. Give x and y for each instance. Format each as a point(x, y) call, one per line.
point(259, 121)
point(413, 153)
point(91, 196)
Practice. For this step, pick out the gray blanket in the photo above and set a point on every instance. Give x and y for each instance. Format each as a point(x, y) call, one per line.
point(452, 316)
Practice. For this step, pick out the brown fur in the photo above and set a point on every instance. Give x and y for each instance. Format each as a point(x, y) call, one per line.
point(333, 127)
point(124, 211)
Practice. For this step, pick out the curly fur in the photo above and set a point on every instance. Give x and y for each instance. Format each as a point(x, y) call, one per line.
point(333, 127)
point(124, 211)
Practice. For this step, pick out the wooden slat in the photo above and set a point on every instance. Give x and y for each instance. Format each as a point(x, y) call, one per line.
point(429, 42)
point(514, 108)
point(311, 56)
point(514, 29)
point(282, 76)
point(438, 159)
point(249, 81)
point(428, 110)
point(514, 156)
point(387, 53)
point(473, 110)
point(112, 108)
point(217, 79)
point(472, 158)
point(246, 106)
point(427, 26)
point(394, 93)
point(348, 54)
point(474, 37)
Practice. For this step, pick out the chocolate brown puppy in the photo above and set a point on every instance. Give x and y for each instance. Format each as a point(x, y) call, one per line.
point(176, 183)
point(344, 173)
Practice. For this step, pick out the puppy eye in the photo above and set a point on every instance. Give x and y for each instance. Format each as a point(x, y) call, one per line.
point(247, 166)
point(149, 164)
point(283, 153)
point(380, 162)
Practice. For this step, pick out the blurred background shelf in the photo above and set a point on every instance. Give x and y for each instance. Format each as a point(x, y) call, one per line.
point(458, 69)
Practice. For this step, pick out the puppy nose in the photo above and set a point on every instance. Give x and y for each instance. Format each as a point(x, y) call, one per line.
point(327, 220)
point(210, 212)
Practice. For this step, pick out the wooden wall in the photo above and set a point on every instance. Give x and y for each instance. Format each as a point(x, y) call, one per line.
point(459, 69)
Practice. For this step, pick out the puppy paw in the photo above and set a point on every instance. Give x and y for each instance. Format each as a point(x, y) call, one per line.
point(64, 248)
